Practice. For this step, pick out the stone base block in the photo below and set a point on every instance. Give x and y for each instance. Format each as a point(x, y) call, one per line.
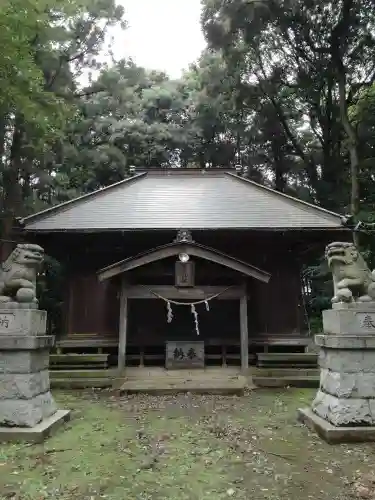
point(22, 322)
point(23, 361)
point(348, 385)
point(355, 306)
point(332, 434)
point(349, 321)
point(23, 385)
point(26, 412)
point(25, 342)
point(36, 434)
point(344, 411)
point(347, 342)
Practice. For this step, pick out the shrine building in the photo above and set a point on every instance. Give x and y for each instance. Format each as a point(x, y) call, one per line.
point(183, 267)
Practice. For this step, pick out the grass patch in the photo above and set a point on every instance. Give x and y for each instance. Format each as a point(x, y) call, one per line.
point(184, 447)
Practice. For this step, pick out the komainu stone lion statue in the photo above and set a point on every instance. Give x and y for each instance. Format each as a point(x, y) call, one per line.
point(352, 279)
point(18, 277)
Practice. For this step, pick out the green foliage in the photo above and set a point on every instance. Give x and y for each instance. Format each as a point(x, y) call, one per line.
point(21, 80)
point(297, 54)
point(48, 45)
point(318, 291)
point(362, 115)
point(50, 286)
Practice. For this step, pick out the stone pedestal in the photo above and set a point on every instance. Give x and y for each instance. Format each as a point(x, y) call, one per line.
point(25, 398)
point(350, 319)
point(344, 407)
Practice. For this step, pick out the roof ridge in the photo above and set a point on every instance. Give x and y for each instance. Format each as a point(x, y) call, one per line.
point(306, 205)
point(69, 203)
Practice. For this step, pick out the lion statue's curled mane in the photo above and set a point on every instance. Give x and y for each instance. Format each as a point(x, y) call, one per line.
point(18, 277)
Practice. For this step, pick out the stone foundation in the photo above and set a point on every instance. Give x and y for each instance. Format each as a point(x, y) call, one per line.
point(334, 434)
point(25, 397)
point(346, 396)
point(27, 412)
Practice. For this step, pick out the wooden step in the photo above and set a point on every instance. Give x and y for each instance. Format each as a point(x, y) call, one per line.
point(196, 374)
point(85, 366)
point(166, 386)
point(76, 361)
point(286, 360)
point(78, 374)
point(284, 372)
point(78, 358)
point(81, 383)
point(311, 381)
point(293, 357)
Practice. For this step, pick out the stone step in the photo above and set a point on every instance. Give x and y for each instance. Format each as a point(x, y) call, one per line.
point(297, 381)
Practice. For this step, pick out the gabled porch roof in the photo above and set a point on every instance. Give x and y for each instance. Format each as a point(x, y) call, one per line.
point(175, 248)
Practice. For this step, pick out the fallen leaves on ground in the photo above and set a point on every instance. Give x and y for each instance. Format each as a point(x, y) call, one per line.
point(187, 447)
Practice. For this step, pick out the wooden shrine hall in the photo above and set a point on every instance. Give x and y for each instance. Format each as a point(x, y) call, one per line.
point(183, 268)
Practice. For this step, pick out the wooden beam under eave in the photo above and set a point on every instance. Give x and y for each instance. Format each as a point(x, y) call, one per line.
point(191, 249)
point(234, 264)
point(173, 293)
point(143, 260)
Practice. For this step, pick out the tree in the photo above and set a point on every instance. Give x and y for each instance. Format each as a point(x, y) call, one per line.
point(321, 54)
point(49, 43)
point(362, 118)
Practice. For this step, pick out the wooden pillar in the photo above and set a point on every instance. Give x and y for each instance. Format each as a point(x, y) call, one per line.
point(122, 326)
point(244, 334)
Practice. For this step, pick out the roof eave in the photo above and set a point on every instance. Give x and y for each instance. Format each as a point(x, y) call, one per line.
point(69, 203)
point(309, 206)
point(153, 229)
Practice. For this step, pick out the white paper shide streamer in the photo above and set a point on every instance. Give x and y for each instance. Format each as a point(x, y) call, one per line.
point(192, 306)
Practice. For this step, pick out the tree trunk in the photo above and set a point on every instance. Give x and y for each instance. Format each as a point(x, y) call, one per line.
point(280, 178)
point(352, 144)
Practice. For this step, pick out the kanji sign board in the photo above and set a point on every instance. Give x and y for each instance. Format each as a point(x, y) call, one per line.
point(180, 354)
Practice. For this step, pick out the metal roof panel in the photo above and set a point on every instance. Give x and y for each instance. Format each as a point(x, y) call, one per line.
point(191, 201)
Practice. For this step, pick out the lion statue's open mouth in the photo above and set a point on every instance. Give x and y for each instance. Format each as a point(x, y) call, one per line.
point(343, 252)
